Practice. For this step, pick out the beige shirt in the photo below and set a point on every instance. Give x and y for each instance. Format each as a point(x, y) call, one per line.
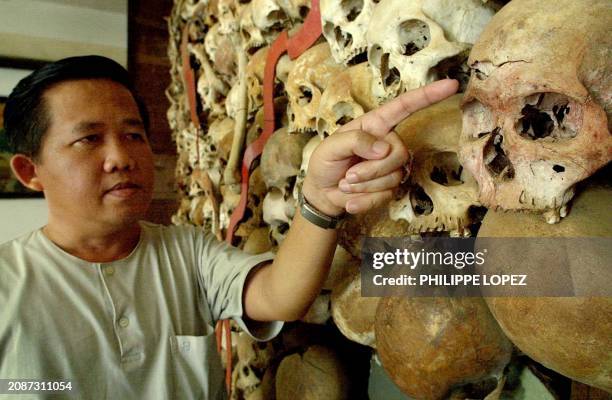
point(138, 328)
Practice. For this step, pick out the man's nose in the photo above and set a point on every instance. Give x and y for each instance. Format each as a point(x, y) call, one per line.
point(118, 158)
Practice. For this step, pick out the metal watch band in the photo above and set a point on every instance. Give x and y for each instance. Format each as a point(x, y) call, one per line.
point(316, 217)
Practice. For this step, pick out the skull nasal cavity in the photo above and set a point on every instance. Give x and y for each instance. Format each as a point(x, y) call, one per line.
point(305, 96)
point(352, 8)
point(496, 161)
point(414, 36)
point(447, 170)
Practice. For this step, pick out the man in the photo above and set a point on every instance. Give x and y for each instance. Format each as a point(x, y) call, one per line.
point(126, 309)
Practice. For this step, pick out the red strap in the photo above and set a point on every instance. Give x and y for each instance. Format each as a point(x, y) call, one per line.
point(278, 48)
point(295, 46)
point(189, 84)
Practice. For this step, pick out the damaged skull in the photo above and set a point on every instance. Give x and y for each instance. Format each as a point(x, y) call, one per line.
point(537, 111)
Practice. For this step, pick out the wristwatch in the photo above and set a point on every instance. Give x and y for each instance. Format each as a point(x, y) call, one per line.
point(317, 217)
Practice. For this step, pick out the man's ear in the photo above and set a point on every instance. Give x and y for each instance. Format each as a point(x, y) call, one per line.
point(25, 170)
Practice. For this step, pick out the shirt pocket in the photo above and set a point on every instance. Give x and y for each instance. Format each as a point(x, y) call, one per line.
point(197, 373)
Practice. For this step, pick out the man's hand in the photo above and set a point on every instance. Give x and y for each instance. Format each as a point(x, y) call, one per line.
point(358, 167)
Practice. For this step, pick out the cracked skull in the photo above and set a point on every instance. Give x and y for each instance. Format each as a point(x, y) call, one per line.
point(345, 24)
point(413, 43)
point(536, 114)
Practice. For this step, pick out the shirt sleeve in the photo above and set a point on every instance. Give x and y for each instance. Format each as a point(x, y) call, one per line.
point(224, 270)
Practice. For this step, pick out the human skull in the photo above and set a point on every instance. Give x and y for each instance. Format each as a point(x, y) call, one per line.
point(306, 153)
point(281, 159)
point(320, 310)
point(296, 10)
point(407, 41)
point(221, 50)
point(345, 24)
point(353, 314)
point(347, 97)
point(318, 373)
point(252, 39)
point(244, 380)
point(570, 335)
point(430, 345)
point(439, 193)
point(254, 78)
point(228, 13)
point(269, 18)
point(253, 217)
point(312, 72)
point(278, 208)
point(221, 132)
point(537, 114)
point(211, 89)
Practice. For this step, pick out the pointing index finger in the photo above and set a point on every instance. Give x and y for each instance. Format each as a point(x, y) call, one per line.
point(381, 120)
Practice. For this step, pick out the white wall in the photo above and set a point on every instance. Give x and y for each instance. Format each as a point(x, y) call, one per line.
point(49, 31)
point(18, 216)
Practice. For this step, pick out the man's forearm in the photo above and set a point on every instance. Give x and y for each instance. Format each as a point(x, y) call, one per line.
point(290, 284)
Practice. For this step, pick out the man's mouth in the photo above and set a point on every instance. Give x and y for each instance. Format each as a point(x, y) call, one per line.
point(123, 189)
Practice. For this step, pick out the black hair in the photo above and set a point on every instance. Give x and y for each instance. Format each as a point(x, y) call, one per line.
point(26, 118)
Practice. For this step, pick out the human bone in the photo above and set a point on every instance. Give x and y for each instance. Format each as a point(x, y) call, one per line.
point(244, 380)
point(537, 114)
point(319, 311)
point(240, 116)
point(439, 192)
point(312, 72)
point(570, 335)
point(345, 24)
point(211, 89)
point(252, 39)
point(343, 264)
point(353, 314)
point(228, 14)
point(281, 159)
point(296, 10)
point(221, 132)
point(347, 97)
point(316, 374)
point(254, 79)
point(269, 18)
point(430, 345)
point(221, 51)
point(306, 153)
point(259, 241)
point(408, 40)
point(254, 209)
point(278, 207)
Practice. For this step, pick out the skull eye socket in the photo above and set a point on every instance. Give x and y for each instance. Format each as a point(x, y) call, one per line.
point(419, 200)
point(351, 8)
point(414, 35)
point(548, 115)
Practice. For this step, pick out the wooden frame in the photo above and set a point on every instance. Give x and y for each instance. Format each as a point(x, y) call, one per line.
point(9, 185)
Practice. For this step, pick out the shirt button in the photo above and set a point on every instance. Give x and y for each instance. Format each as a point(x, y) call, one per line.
point(124, 322)
point(109, 271)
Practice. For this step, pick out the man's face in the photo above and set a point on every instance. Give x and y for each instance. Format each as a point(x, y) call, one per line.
point(95, 163)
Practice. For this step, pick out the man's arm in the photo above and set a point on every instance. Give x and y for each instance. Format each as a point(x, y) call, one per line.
point(356, 169)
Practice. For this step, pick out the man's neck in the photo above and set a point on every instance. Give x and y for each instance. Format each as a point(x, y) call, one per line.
point(94, 245)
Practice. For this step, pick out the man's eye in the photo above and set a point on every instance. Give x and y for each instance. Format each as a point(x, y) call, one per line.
point(136, 136)
point(89, 139)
